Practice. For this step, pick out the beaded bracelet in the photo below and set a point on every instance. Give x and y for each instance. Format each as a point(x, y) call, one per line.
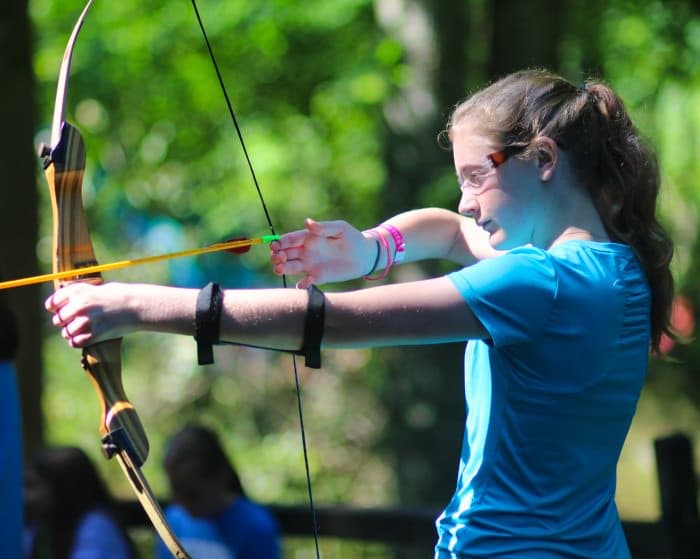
point(399, 243)
point(389, 261)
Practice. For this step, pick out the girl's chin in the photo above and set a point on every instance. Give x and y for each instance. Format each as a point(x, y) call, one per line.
point(499, 241)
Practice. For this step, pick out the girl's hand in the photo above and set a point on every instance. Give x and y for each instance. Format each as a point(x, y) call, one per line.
point(325, 251)
point(89, 313)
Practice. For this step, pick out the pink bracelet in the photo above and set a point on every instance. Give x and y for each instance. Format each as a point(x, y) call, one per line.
point(399, 243)
point(377, 235)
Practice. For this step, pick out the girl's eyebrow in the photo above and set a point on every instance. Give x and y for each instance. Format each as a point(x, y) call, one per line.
point(473, 167)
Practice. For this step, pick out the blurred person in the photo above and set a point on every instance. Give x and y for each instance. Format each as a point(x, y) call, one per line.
point(11, 505)
point(70, 513)
point(211, 514)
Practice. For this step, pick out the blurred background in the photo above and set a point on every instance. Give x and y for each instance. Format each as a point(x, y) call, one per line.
point(339, 104)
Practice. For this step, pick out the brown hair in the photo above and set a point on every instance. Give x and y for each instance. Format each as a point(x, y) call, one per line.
point(197, 450)
point(609, 156)
point(76, 488)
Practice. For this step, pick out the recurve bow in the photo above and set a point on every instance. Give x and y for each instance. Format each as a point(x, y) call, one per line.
point(123, 435)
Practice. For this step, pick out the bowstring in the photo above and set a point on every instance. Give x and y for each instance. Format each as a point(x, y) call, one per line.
point(249, 162)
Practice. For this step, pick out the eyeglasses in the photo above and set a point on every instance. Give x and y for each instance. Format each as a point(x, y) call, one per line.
point(475, 179)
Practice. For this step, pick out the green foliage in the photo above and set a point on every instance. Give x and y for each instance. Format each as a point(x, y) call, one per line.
point(165, 172)
point(652, 59)
point(160, 141)
point(311, 84)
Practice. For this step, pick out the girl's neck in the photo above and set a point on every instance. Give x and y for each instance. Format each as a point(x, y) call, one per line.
point(572, 233)
point(576, 218)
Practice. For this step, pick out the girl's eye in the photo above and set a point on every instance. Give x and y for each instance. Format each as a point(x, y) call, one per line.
point(477, 176)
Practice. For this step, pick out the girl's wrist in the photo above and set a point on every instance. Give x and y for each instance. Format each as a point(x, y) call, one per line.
point(384, 248)
point(375, 252)
point(399, 243)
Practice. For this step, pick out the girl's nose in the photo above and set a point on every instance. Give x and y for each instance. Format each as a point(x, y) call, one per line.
point(467, 203)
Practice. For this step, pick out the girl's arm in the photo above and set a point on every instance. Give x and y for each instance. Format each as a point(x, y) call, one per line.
point(422, 312)
point(336, 251)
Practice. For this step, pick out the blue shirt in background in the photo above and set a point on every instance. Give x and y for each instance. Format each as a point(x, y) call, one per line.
point(243, 530)
point(11, 465)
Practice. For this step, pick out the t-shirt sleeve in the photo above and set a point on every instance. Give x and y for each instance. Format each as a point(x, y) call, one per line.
point(263, 540)
point(511, 295)
point(98, 537)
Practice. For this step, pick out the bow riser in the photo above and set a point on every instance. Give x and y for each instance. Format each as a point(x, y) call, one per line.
point(103, 363)
point(72, 250)
point(64, 167)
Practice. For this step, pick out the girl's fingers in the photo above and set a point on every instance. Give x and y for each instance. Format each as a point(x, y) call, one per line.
point(77, 331)
point(291, 267)
point(330, 229)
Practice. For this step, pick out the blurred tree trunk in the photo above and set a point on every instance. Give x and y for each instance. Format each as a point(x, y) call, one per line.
point(560, 36)
point(422, 387)
point(18, 207)
point(525, 35)
point(426, 411)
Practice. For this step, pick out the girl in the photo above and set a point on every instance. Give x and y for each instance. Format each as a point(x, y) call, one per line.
point(564, 287)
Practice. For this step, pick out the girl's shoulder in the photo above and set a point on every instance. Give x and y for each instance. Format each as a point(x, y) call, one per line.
point(601, 247)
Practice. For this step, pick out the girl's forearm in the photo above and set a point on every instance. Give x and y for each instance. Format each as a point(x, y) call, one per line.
point(436, 233)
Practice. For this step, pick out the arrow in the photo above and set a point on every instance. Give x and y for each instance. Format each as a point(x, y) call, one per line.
point(237, 246)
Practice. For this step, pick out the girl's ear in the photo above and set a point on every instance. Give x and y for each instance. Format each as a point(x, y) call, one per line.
point(547, 157)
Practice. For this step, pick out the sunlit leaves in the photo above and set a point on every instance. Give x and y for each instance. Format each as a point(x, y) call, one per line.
point(653, 59)
point(165, 172)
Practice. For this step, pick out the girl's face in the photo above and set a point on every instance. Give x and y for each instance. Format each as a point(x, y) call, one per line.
point(503, 200)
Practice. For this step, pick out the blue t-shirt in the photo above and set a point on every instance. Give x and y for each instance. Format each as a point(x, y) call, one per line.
point(11, 474)
point(97, 536)
point(550, 397)
point(244, 530)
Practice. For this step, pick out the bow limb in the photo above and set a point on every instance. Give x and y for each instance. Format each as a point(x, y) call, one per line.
point(123, 435)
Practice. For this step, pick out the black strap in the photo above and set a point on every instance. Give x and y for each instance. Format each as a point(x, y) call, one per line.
point(313, 328)
point(208, 321)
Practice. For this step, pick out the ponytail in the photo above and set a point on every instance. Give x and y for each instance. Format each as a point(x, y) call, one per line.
point(626, 198)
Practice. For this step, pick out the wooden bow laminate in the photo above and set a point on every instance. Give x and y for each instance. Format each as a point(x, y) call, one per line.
point(123, 435)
